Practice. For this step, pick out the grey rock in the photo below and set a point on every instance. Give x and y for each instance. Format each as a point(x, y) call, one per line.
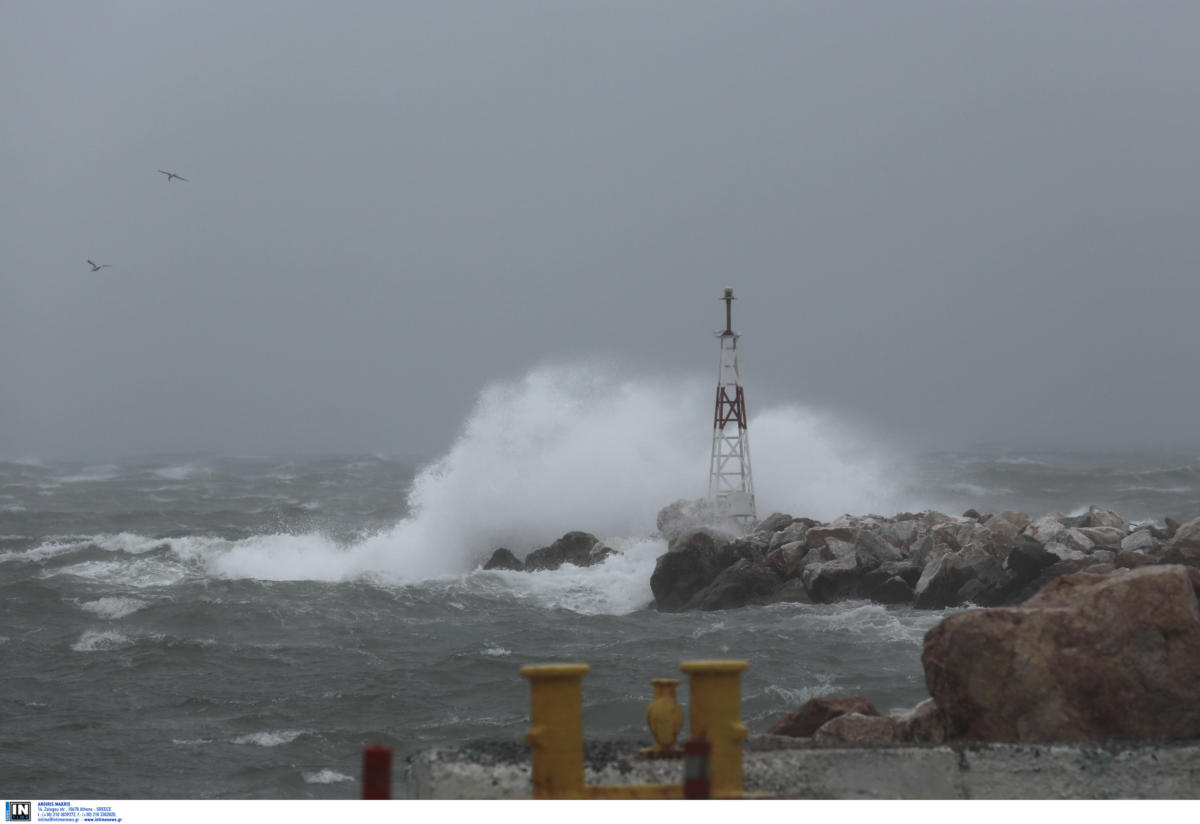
point(872, 550)
point(690, 565)
point(894, 590)
point(788, 560)
point(1097, 517)
point(1075, 539)
point(503, 558)
point(578, 548)
point(773, 522)
point(746, 582)
point(831, 581)
point(1140, 540)
point(1045, 529)
point(1187, 534)
point(1104, 535)
point(789, 534)
point(792, 592)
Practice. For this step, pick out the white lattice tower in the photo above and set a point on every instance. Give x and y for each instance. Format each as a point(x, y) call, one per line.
point(730, 484)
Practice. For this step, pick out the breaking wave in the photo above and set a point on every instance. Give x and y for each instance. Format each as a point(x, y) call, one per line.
point(567, 448)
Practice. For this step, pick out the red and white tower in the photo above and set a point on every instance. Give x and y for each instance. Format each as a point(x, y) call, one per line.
point(730, 484)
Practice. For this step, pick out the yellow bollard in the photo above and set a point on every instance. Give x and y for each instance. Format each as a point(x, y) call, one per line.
point(665, 718)
point(556, 734)
point(716, 714)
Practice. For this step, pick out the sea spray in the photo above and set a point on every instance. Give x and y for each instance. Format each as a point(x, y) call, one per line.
point(579, 447)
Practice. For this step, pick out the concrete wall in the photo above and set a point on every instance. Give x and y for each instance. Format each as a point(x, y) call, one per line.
point(790, 768)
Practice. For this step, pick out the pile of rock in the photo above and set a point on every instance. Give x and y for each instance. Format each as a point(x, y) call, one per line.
point(1090, 657)
point(579, 548)
point(928, 560)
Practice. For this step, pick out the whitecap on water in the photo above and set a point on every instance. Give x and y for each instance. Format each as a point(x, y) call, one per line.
point(101, 640)
point(618, 585)
point(326, 777)
point(270, 738)
point(113, 607)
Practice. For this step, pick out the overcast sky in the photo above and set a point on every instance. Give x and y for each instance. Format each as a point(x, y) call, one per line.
point(962, 222)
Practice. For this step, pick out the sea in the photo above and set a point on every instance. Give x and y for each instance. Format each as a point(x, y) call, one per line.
point(242, 626)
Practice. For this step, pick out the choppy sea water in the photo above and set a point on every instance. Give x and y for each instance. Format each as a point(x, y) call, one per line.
point(241, 627)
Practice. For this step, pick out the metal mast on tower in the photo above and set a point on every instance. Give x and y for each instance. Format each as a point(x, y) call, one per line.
point(730, 485)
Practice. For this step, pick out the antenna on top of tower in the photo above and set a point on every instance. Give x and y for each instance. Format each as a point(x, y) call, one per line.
point(730, 483)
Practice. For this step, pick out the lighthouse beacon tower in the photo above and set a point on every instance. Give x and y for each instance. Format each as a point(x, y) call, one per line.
point(730, 485)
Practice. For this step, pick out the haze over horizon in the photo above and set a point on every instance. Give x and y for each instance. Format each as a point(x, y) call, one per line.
point(947, 224)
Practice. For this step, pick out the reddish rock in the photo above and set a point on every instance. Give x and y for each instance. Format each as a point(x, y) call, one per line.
point(788, 559)
point(1088, 657)
point(855, 728)
point(816, 712)
point(815, 537)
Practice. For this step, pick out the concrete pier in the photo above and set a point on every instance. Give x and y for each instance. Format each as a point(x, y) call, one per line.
point(776, 767)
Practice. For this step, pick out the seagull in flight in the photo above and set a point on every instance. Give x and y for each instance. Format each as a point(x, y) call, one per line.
point(96, 267)
point(172, 175)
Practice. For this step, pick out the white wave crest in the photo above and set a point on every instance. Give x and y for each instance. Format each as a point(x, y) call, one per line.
point(326, 777)
point(270, 738)
point(179, 473)
point(113, 608)
point(127, 542)
point(101, 640)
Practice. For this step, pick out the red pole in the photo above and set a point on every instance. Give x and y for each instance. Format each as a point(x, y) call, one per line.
point(697, 768)
point(377, 772)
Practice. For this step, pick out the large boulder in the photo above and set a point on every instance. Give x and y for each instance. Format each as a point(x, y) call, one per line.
point(1097, 517)
point(872, 550)
point(578, 548)
point(816, 712)
point(941, 581)
point(1045, 529)
point(691, 564)
point(1089, 657)
point(1028, 558)
point(1141, 540)
point(1103, 535)
point(790, 534)
point(892, 589)
point(788, 559)
point(836, 580)
point(746, 582)
point(855, 728)
point(815, 536)
point(1187, 534)
point(503, 558)
point(773, 522)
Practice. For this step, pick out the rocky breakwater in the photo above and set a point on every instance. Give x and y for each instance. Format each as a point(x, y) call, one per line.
point(928, 560)
point(1092, 656)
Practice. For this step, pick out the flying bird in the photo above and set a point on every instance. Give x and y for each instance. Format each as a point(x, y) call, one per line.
point(172, 175)
point(96, 267)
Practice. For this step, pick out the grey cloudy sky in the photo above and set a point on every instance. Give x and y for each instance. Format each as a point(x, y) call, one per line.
point(962, 222)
